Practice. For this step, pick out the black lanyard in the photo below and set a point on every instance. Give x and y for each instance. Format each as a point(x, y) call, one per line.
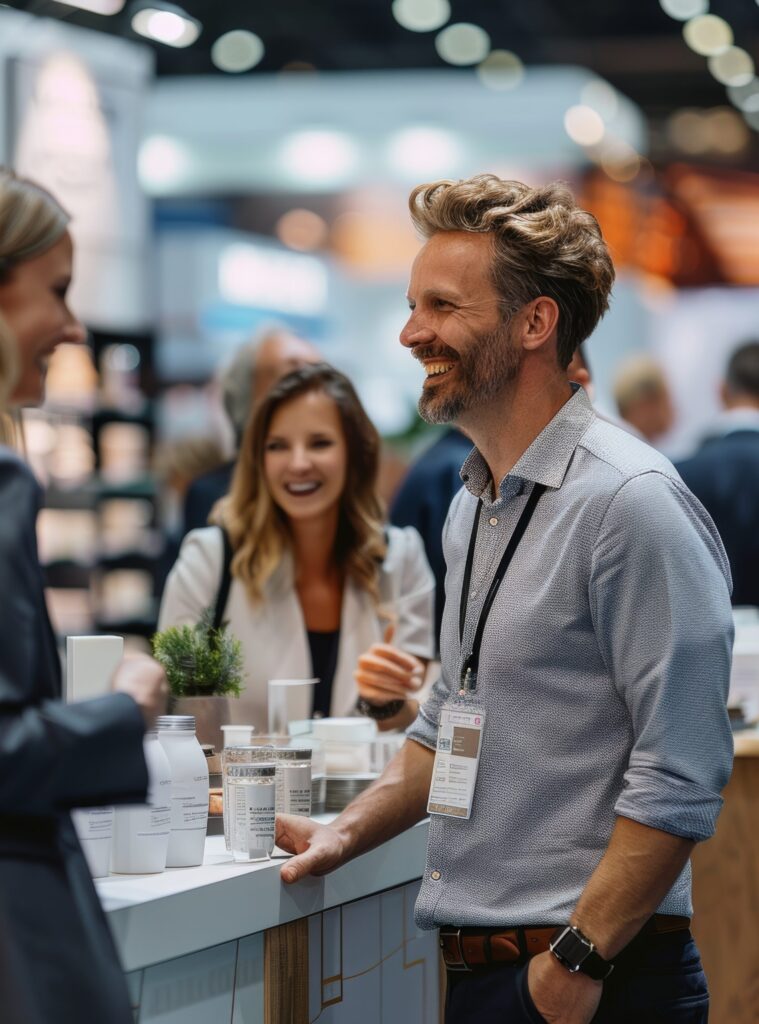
point(471, 663)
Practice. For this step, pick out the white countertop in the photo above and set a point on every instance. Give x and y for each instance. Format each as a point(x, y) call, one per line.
point(183, 910)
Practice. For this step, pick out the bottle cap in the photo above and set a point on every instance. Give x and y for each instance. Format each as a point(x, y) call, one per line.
point(175, 723)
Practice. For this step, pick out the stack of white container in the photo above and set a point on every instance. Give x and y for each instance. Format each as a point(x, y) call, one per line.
point(744, 676)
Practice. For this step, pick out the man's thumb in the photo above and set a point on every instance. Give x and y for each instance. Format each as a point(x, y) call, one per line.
point(389, 632)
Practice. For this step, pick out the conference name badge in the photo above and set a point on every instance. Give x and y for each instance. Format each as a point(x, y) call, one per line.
point(457, 760)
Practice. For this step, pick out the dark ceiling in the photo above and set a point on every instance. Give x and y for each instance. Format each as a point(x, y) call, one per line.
point(633, 44)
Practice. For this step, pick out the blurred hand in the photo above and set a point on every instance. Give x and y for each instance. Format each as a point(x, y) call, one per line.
point(385, 673)
point(318, 848)
point(145, 681)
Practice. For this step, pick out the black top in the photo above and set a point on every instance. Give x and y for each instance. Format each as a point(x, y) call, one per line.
point(203, 493)
point(724, 476)
point(423, 501)
point(324, 647)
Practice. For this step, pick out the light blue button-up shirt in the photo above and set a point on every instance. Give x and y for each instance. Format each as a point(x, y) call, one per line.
point(604, 673)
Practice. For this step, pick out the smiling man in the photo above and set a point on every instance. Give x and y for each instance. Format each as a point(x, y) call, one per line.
point(576, 743)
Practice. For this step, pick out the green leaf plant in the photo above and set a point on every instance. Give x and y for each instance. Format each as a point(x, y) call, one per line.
point(200, 661)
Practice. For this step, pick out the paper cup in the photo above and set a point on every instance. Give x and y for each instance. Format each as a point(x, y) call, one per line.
point(238, 735)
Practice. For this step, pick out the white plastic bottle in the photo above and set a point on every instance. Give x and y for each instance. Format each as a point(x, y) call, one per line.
point(94, 826)
point(189, 790)
point(141, 833)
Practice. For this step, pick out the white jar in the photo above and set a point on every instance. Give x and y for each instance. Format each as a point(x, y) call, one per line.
point(94, 827)
point(189, 790)
point(141, 833)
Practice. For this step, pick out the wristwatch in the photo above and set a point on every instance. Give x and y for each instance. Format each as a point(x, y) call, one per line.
point(577, 953)
point(379, 712)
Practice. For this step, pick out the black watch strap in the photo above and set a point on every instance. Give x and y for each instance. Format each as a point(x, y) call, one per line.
point(577, 953)
point(379, 712)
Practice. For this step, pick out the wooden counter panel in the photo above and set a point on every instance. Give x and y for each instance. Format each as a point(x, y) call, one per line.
point(726, 900)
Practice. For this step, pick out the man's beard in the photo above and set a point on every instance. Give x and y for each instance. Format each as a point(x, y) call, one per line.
point(483, 371)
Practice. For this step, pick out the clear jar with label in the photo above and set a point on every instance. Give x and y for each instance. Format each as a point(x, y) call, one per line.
point(238, 755)
point(250, 808)
point(141, 833)
point(293, 780)
point(189, 790)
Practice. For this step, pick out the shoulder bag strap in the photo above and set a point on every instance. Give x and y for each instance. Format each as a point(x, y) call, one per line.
point(225, 582)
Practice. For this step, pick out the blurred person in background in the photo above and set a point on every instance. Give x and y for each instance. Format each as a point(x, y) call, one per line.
point(319, 588)
point(177, 463)
point(724, 472)
point(433, 481)
point(643, 398)
point(53, 757)
point(255, 367)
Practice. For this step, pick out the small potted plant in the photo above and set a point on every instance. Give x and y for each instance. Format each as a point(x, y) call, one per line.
point(204, 666)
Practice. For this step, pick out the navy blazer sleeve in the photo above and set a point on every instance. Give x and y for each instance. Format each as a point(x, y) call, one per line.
point(53, 756)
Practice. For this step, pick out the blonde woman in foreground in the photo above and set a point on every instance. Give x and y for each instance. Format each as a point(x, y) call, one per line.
point(58, 964)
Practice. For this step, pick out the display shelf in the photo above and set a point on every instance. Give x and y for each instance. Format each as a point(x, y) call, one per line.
point(109, 405)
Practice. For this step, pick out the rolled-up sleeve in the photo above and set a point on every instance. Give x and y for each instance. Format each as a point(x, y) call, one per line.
point(660, 599)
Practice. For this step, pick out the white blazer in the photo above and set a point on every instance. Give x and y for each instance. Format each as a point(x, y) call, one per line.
point(273, 632)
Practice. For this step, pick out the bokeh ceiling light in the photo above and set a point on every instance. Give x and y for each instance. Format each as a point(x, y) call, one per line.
point(733, 66)
point(602, 97)
point(621, 162)
point(726, 131)
point(684, 10)
point(319, 157)
point(463, 44)
point(166, 24)
point(744, 96)
point(301, 229)
point(584, 125)
point(421, 15)
point(708, 34)
point(162, 163)
point(501, 70)
point(752, 119)
point(688, 132)
point(424, 151)
point(237, 51)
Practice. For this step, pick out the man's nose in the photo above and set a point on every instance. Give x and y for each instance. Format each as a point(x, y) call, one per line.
point(416, 333)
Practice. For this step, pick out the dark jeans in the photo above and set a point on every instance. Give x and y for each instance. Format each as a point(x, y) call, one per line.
point(658, 979)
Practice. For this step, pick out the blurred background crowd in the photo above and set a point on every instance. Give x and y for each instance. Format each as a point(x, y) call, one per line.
point(237, 177)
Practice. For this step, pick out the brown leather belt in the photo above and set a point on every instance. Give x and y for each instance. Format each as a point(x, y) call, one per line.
point(464, 949)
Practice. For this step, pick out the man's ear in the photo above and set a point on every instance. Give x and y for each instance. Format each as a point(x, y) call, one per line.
point(540, 321)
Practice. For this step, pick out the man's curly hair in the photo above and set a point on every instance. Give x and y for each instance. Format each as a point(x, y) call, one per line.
point(543, 244)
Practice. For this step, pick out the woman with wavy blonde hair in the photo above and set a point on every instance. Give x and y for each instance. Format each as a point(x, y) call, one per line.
point(313, 570)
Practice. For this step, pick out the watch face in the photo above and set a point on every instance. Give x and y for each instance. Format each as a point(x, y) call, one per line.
point(571, 948)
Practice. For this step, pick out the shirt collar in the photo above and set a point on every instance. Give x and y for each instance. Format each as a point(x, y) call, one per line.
point(546, 460)
point(740, 418)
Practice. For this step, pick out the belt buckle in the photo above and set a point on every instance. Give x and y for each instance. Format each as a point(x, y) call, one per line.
point(461, 964)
